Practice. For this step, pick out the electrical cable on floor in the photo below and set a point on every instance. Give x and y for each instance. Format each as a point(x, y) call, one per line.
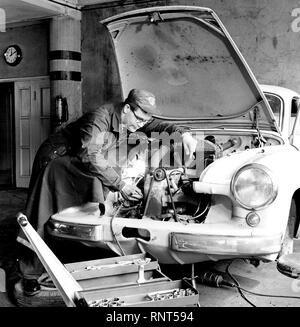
point(269, 295)
point(254, 293)
point(215, 279)
point(238, 285)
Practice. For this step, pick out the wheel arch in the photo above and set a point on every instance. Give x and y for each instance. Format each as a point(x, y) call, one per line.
point(296, 197)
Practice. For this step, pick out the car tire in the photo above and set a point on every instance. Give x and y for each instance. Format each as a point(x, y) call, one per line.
point(288, 239)
point(45, 298)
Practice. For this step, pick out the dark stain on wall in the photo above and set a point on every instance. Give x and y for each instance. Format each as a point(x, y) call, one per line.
point(203, 59)
point(275, 42)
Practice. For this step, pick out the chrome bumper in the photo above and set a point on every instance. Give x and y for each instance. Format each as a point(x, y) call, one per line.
point(197, 243)
point(81, 232)
point(225, 245)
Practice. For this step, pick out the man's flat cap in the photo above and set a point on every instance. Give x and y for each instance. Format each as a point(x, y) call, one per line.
point(144, 100)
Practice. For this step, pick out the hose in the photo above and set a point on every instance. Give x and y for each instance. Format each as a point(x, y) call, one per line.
point(171, 197)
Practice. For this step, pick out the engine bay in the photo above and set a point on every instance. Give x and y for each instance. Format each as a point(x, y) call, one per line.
point(168, 193)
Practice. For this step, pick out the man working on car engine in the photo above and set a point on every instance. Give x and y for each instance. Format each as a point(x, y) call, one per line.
point(71, 167)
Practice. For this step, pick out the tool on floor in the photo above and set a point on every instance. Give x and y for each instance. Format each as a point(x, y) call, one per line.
point(62, 279)
point(213, 279)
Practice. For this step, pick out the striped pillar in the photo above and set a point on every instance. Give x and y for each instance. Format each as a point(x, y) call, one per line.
point(65, 64)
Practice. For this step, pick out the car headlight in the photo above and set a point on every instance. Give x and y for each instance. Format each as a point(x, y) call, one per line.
point(254, 187)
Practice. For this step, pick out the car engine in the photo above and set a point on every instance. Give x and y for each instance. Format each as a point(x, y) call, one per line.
point(167, 188)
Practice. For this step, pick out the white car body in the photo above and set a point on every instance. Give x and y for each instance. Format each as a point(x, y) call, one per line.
point(227, 231)
point(287, 114)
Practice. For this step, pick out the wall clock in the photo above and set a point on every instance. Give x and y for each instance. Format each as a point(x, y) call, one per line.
point(12, 55)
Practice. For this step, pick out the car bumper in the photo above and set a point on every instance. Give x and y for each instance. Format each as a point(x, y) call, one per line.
point(225, 245)
point(74, 231)
point(173, 240)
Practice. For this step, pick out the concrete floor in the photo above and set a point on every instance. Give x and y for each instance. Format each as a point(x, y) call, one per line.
point(264, 279)
point(11, 202)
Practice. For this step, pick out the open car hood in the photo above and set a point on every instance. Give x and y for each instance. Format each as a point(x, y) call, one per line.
point(185, 56)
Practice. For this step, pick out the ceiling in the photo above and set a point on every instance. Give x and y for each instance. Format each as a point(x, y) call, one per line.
point(17, 11)
point(27, 10)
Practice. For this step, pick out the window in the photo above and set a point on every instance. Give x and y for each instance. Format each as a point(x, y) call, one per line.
point(276, 105)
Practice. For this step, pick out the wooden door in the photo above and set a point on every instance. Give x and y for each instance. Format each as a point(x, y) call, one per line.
point(6, 135)
point(32, 124)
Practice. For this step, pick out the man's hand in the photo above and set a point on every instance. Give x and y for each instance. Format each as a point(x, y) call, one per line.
point(131, 193)
point(189, 145)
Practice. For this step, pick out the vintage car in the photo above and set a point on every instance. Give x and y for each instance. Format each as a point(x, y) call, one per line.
point(240, 196)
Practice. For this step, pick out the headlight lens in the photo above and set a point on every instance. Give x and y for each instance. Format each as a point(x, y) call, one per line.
point(254, 187)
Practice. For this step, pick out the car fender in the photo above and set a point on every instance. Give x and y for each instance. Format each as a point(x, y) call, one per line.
point(283, 161)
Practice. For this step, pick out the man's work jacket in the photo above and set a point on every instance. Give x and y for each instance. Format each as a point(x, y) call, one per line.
point(73, 166)
point(96, 133)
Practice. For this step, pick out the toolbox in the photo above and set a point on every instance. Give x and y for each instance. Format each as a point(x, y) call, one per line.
point(115, 282)
point(116, 271)
point(176, 293)
point(125, 281)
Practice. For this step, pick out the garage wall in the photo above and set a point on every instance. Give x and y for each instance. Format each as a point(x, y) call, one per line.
point(265, 31)
point(33, 41)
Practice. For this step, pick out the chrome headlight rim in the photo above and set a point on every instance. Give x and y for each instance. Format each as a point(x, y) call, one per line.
point(266, 170)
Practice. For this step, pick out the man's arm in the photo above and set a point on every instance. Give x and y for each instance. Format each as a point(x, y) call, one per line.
point(160, 126)
point(188, 141)
point(94, 135)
